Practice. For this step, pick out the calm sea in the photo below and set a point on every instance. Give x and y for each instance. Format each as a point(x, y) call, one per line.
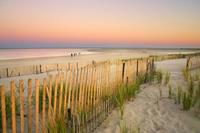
point(34, 53)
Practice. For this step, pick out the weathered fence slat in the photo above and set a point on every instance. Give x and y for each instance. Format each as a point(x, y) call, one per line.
point(21, 93)
point(61, 95)
point(55, 96)
point(12, 85)
point(44, 105)
point(49, 97)
point(3, 109)
point(37, 89)
point(29, 106)
point(66, 89)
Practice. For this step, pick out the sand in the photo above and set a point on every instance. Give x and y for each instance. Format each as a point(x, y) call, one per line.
point(88, 55)
point(151, 113)
point(144, 112)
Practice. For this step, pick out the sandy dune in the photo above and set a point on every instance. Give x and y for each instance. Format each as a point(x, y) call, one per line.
point(151, 113)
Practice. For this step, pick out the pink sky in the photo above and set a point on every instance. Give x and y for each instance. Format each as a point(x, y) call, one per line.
point(97, 22)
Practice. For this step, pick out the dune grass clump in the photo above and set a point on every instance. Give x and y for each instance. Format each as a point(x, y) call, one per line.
point(191, 87)
point(127, 129)
point(169, 91)
point(186, 74)
point(126, 92)
point(140, 79)
point(120, 100)
point(167, 78)
point(159, 75)
point(196, 101)
point(131, 90)
point(56, 124)
point(187, 101)
point(179, 95)
point(123, 127)
point(150, 76)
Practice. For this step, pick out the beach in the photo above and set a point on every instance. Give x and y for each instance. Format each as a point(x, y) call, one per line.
point(86, 55)
point(150, 113)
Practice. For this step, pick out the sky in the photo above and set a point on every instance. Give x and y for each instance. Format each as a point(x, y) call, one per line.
point(99, 23)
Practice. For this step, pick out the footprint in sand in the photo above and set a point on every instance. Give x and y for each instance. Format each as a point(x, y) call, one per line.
point(156, 125)
point(152, 112)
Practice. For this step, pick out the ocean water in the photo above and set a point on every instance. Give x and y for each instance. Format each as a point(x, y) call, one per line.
point(6, 54)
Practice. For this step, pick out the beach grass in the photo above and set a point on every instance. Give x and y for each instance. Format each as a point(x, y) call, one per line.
point(167, 78)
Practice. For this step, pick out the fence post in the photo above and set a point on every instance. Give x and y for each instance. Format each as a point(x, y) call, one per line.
point(187, 64)
point(7, 72)
point(37, 88)
point(123, 71)
point(152, 64)
point(21, 93)
point(70, 88)
point(12, 84)
point(66, 89)
point(61, 95)
point(49, 98)
point(3, 109)
point(77, 86)
point(137, 73)
point(40, 68)
point(81, 87)
point(43, 105)
point(55, 96)
point(29, 106)
point(73, 89)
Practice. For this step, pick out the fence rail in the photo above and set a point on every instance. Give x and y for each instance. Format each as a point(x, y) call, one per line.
point(45, 68)
point(79, 94)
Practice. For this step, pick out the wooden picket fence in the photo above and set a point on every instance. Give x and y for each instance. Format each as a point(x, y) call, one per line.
point(79, 95)
point(193, 62)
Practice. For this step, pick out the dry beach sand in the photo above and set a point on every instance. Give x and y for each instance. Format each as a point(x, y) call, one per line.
point(151, 113)
point(87, 56)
